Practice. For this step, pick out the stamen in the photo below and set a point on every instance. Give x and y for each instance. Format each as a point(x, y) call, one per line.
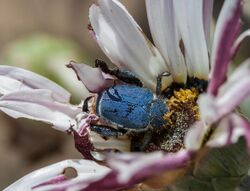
point(183, 112)
point(183, 109)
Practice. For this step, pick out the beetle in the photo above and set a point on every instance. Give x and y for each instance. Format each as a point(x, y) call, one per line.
point(127, 107)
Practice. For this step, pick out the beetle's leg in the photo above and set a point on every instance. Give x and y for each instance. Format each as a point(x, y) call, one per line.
point(106, 131)
point(159, 82)
point(128, 77)
point(146, 140)
point(103, 66)
point(123, 75)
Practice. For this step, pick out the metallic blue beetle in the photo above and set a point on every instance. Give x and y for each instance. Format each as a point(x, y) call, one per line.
point(131, 107)
point(127, 107)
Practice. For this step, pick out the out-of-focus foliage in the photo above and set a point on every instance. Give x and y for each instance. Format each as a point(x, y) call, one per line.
point(47, 56)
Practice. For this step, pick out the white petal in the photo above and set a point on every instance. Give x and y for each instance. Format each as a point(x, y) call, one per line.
point(39, 105)
point(242, 72)
point(195, 136)
point(207, 16)
point(208, 109)
point(9, 85)
point(234, 96)
point(189, 14)
point(124, 43)
point(166, 36)
point(236, 89)
point(15, 79)
point(87, 171)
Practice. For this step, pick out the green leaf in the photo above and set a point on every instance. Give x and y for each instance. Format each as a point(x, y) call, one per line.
point(226, 184)
point(230, 161)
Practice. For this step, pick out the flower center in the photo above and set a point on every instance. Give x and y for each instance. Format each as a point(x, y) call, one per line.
point(183, 112)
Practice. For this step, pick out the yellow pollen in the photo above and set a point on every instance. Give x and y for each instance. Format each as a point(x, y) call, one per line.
point(183, 109)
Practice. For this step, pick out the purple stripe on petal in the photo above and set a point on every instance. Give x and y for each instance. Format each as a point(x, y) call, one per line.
point(130, 169)
point(54, 180)
point(81, 135)
point(52, 177)
point(83, 144)
point(93, 78)
point(227, 28)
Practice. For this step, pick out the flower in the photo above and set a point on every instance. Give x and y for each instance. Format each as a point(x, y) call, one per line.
point(180, 30)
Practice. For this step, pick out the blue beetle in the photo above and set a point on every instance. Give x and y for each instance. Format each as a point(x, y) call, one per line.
point(127, 107)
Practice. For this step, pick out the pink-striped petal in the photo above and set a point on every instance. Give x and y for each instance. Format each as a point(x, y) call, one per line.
point(124, 43)
point(16, 79)
point(189, 15)
point(226, 31)
point(235, 90)
point(39, 105)
point(230, 95)
point(229, 130)
point(130, 169)
point(93, 78)
point(52, 177)
point(166, 36)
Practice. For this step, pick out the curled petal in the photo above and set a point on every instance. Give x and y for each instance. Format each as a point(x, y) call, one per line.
point(229, 130)
point(189, 15)
point(52, 177)
point(93, 78)
point(166, 36)
point(39, 105)
point(16, 79)
point(226, 31)
point(124, 43)
point(238, 42)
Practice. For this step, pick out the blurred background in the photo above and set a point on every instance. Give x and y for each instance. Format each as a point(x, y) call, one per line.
point(43, 36)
